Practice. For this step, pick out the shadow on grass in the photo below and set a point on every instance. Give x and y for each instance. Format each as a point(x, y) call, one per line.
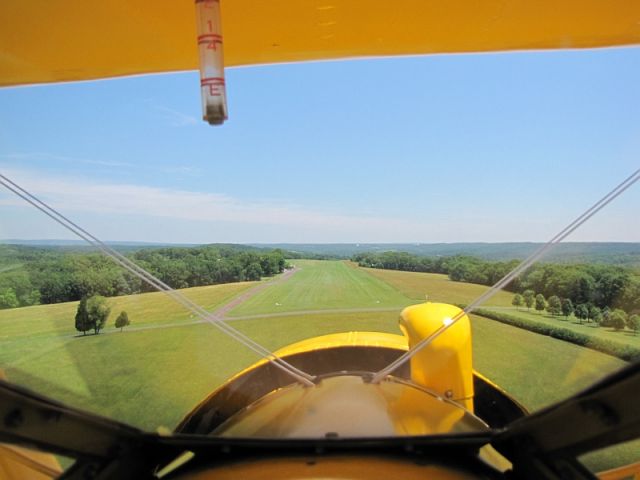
point(44, 387)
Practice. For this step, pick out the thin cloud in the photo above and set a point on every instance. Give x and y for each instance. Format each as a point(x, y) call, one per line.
point(49, 157)
point(209, 215)
point(174, 117)
point(85, 195)
point(25, 157)
point(181, 170)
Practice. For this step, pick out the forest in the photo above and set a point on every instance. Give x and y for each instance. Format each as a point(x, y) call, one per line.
point(31, 276)
point(584, 284)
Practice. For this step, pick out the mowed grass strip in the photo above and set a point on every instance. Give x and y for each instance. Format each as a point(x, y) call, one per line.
point(322, 284)
point(437, 287)
point(143, 309)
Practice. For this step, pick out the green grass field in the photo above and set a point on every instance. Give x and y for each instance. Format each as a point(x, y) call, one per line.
point(324, 285)
point(536, 369)
point(437, 287)
point(154, 375)
point(143, 309)
point(138, 376)
point(31, 334)
point(624, 337)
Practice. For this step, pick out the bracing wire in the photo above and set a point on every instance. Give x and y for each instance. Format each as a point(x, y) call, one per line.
point(504, 281)
point(148, 278)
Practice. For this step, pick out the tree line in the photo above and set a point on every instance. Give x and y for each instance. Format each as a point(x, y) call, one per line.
point(601, 286)
point(32, 276)
point(554, 305)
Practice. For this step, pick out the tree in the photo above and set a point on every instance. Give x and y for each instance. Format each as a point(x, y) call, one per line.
point(98, 311)
point(605, 319)
point(630, 300)
point(122, 320)
point(517, 301)
point(633, 322)
point(253, 272)
point(8, 298)
point(541, 304)
point(580, 287)
point(582, 312)
point(617, 319)
point(82, 317)
point(528, 296)
point(596, 315)
point(554, 305)
point(611, 285)
point(31, 298)
point(567, 307)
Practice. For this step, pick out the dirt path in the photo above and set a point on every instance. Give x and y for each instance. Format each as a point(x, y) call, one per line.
point(221, 312)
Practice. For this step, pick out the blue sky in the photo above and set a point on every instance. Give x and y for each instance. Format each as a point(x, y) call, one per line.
point(504, 147)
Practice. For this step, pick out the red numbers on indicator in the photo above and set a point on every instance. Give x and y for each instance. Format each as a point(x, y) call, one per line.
point(210, 41)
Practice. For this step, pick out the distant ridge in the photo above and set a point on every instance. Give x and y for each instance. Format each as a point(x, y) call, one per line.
point(614, 253)
point(82, 243)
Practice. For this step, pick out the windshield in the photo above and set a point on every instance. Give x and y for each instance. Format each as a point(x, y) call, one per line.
point(317, 211)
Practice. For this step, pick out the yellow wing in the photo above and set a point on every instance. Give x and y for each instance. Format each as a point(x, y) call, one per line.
point(65, 40)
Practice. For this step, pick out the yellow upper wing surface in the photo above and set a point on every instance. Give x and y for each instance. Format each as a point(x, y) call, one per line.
point(64, 40)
